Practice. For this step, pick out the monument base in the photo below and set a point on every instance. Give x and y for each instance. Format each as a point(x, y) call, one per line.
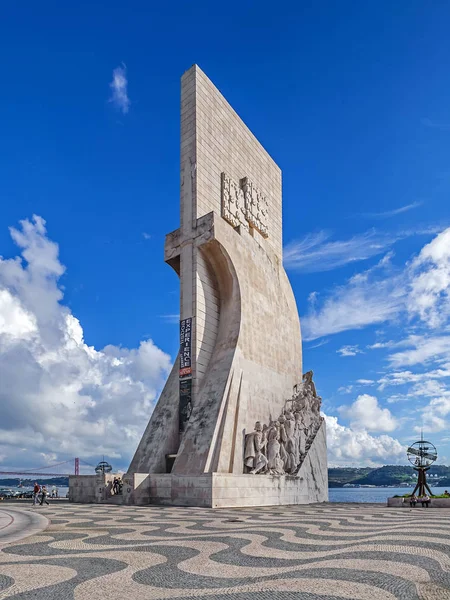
point(91, 489)
point(229, 490)
point(434, 503)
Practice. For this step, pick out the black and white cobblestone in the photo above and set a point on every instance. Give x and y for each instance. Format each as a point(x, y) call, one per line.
point(326, 552)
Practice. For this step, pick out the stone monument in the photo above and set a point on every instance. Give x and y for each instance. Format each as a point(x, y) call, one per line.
point(236, 423)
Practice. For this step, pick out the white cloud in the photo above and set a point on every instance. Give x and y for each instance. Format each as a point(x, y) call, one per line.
point(349, 447)
point(174, 318)
point(383, 294)
point(57, 392)
point(425, 388)
point(364, 300)
point(435, 124)
point(431, 423)
point(429, 388)
point(434, 415)
point(119, 87)
point(430, 282)
point(379, 345)
point(318, 345)
point(397, 398)
point(394, 211)
point(316, 252)
point(365, 381)
point(349, 351)
point(421, 350)
point(345, 389)
point(365, 413)
point(14, 320)
point(406, 377)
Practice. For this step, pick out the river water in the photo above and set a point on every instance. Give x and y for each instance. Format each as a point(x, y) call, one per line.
point(62, 491)
point(372, 494)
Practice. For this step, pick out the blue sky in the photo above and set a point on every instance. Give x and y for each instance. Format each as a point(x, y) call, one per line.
point(351, 100)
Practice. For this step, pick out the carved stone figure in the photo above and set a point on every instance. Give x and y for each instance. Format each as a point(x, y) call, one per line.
point(289, 427)
point(307, 417)
point(281, 448)
point(315, 407)
point(300, 402)
point(300, 437)
point(314, 401)
point(260, 463)
point(308, 382)
point(283, 442)
point(275, 463)
point(255, 443)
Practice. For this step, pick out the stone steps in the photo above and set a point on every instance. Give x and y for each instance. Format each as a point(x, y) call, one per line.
point(113, 500)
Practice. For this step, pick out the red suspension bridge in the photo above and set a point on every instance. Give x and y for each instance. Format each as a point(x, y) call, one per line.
point(45, 471)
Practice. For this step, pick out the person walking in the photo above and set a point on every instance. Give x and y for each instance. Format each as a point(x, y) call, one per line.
point(36, 490)
point(44, 496)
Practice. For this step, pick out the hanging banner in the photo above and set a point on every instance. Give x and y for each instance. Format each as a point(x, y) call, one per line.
point(185, 407)
point(186, 347)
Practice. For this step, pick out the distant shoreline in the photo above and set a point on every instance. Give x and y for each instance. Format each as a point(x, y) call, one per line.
point(370, 487)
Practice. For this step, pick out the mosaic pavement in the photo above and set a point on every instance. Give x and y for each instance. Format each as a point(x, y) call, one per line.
point(318, 552)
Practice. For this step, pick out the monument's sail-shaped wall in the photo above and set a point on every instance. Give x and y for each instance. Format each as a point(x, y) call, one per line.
point(241, 352)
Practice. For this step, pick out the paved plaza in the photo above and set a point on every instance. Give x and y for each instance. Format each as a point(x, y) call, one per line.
point(326, 552)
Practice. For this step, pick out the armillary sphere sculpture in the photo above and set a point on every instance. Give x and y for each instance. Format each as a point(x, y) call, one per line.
point(103, 467)
point(422, 455)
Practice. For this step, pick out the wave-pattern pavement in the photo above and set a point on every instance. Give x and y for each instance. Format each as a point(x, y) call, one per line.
point(326, 552)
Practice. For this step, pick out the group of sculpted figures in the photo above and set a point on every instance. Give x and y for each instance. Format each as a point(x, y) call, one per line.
point(280, 448)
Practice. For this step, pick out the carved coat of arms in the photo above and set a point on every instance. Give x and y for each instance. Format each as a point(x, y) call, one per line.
point(243, 204)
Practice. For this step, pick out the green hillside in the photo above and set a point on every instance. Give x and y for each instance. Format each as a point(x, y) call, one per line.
point(395, 475)
point(339, 476)
point(388, 475)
